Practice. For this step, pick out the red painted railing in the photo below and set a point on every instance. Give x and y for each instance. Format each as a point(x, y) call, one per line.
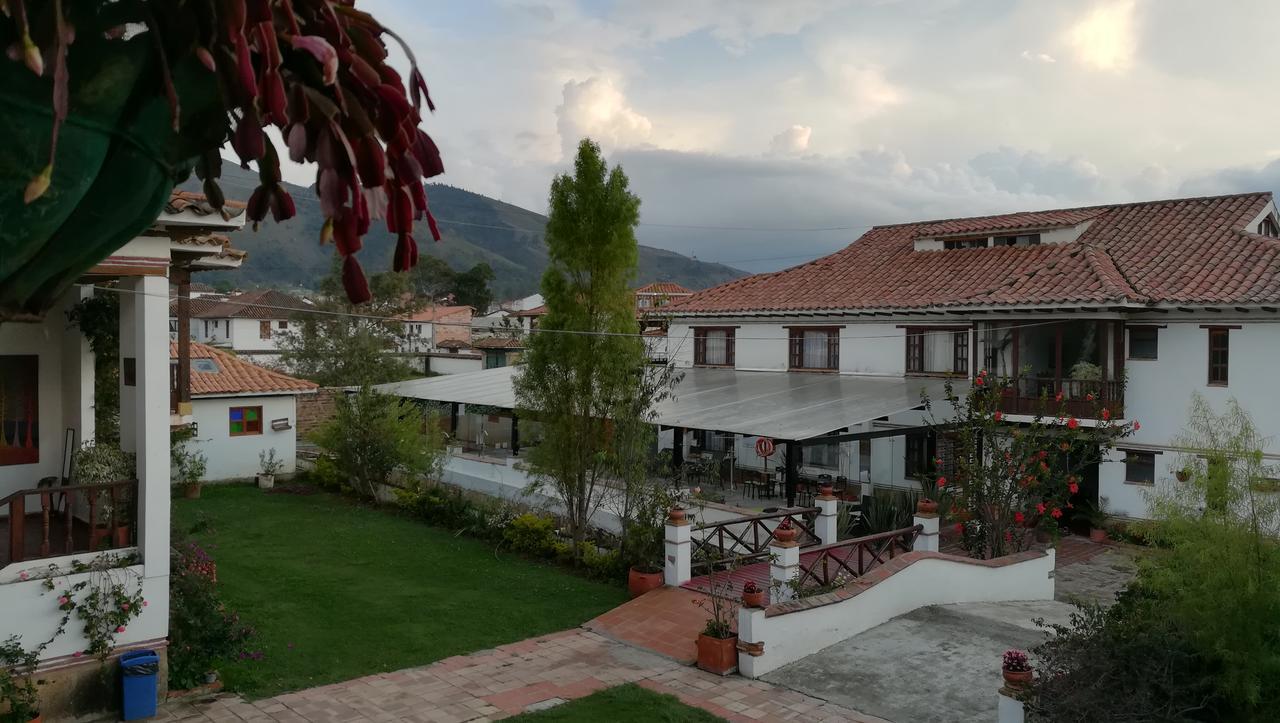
point(67, 520)
point(746, 539)
point(851, 559)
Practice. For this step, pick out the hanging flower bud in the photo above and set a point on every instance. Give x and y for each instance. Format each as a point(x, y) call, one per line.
point(323, 52)
point(354, 282)
point(406, 249)
point(431, 222)
point(282, 208)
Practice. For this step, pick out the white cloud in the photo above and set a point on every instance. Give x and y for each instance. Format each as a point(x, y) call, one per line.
point(793, 140)
point(596, 108)
point(1038, 57)
point(733, 23)
point(1106, 37)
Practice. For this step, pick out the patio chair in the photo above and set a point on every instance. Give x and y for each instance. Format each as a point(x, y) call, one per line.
point(65, 471)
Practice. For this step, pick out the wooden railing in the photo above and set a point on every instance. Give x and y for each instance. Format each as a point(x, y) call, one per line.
point(1027, 392)
point(746, 539)
point(69, 519)
point(851, 559)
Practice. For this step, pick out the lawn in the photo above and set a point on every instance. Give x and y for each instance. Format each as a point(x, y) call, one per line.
point(624, 704)
point(337, 590)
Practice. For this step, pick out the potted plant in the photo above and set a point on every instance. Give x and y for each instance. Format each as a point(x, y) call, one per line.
point(752, 595)
point(104, 464)
point(187, 467)
point(646, 542)
point(18, 691)
point(930, 496)
point(718, 642)
point(1097, 518)
point(1016, 669)
point(270, 466)
point(676, 515)
point(785, 531)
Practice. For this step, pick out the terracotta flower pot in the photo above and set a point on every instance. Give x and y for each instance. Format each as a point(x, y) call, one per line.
point(785, 534)
point(1017, 678)
point(98, 535)
point(1097, 534)
point(191, 490)
point(927, 507)
point(676, 515)
point(39, 718)
point(826, 489)
point(718, 655)
point(122, 537)
point(640, 582)
point(753, 599)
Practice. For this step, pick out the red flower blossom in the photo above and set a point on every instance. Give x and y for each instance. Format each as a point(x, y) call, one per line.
point(1044, 467)
point(1058, 397)
point(1042, 454)
point(1106, 414)
point(1072, 423)
point(1136, 426)
point(1019, 518)
point(1089, 396)
point(1056, 513)
point(1040, 508)
point(997, 416)
point(1073, 488)
point(942, 482)
point(978, 381)
point(960, 528)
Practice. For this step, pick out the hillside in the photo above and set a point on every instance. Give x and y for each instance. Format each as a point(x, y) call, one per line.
point(475, 228)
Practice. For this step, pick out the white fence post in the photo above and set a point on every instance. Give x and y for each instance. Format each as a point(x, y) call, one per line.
point(928, 538)
point(827, 525)
point(784, 566)
point(1008, 708)
point(679, 549)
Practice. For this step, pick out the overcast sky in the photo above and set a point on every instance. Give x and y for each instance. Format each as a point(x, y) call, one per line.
point(816, 114)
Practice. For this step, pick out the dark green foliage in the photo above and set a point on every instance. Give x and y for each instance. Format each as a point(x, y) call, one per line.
point(373, 436)
point(434, 278)
point(98, 318)
point(532, 535)
point(203, 634)
point(886, 510)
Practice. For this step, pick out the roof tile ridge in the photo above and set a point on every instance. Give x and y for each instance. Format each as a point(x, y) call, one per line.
point(1097, 253)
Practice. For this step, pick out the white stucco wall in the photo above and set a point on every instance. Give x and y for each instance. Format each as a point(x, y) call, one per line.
point(865, 348)
point(455, 363)
point(932, 581)
point(237, 457)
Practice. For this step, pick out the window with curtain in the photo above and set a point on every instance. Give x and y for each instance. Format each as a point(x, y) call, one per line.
point(713, 346)
point(937, 351)
point(815, 348)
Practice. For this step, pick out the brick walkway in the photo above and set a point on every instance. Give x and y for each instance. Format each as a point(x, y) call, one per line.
point(666, 621)
point(496, 683)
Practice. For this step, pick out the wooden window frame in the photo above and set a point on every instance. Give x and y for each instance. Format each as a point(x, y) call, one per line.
point(700, 346)
point(1223, 332)
point(282, 324)
point(264, 329)
point(245, 431)
point(1143, 483)
point(1153, 328)
point(914, 350)
point(795, 348)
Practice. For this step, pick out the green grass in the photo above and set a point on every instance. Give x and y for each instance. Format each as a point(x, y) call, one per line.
point(337, 590)
point(623, 704)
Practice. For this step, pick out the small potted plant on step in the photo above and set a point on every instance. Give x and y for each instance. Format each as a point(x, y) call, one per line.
point(930, 495)
point(1016, 669)
point(752, 595)
point(187, 466)
point(718, 642)
point(270, 466)
point(1097, 518)
point(646, 542)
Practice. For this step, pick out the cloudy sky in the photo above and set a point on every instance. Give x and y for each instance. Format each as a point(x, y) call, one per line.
point(787, 127)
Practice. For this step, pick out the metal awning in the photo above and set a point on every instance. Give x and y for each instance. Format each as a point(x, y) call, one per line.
point(783, 405)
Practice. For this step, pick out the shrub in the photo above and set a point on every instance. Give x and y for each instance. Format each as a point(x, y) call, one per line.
point(202, 632)
point(532, 535)
point(373, 436)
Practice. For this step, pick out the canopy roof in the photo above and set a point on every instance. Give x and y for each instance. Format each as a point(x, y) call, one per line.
point(783, 405)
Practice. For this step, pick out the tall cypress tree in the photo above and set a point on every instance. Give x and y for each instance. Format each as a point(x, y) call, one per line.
point(580, 373)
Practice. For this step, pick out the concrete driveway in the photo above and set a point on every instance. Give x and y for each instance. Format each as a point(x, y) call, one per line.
point(941, 664)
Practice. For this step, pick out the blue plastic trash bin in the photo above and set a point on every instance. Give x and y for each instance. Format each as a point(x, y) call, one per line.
point(138, 672)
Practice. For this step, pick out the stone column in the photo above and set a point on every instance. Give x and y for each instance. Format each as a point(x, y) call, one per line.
point(827, 524)
point(1008, 708)
point(928, 539)
point(784, 566)
point(679, 549)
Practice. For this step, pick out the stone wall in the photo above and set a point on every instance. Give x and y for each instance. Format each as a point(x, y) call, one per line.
point(314, 410)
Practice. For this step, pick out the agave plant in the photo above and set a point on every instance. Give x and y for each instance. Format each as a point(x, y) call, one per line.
point(316, 70)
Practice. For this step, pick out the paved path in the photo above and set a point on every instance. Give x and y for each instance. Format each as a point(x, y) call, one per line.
point(497, 683)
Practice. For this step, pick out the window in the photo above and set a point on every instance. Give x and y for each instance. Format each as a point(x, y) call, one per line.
point(815, 348)
point(1218, 357)
point(495, 359)
point(1140, 468)
point(643, 302)
point(264, 330)
point(245, 421)
point(965, 243)
point(713, 346)
point(1269, 227)
point(282, 325)
point(937, 351)
point(920, 450)
point(1143, 342)
point(826, 456)
point(1025, 239)
point(864, 459)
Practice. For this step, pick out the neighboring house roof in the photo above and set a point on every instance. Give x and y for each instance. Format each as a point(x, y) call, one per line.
point(260, 304)
point(431, 313)
point(1182, 251)
point(235, 375)
point(498, 342)
point(663, 287)
point(195, 286)
point(453, 344)
point(535, 311)
point(657, 332)
point(196, 203)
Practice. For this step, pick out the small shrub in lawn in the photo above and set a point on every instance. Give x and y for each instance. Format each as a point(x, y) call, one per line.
point(532, 535)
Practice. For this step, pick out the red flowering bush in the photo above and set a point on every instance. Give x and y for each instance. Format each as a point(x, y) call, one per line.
point(1005, 478)
point(1015, 661)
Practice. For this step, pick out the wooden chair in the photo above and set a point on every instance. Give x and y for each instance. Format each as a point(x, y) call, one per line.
point(65, 471)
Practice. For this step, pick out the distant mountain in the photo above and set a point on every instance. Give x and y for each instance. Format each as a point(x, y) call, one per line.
point(475, 228)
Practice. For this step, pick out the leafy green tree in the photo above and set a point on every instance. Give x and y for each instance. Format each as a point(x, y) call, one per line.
point(579, 374)
point(433, 278)
point(342, 344)
point(374, 436)
point(471, 287)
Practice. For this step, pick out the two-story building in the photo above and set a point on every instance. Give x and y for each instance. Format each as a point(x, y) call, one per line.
point(251, 323)
point(1140, 304)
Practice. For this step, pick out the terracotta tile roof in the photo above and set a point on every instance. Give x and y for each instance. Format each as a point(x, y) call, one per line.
point(498, 342)
point(259, 304)
point(431, 313)
point(453, 344)
point(1194, 250)
point(235, 375)
point(535, 311)
point(196, 203)
point(663, 287)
